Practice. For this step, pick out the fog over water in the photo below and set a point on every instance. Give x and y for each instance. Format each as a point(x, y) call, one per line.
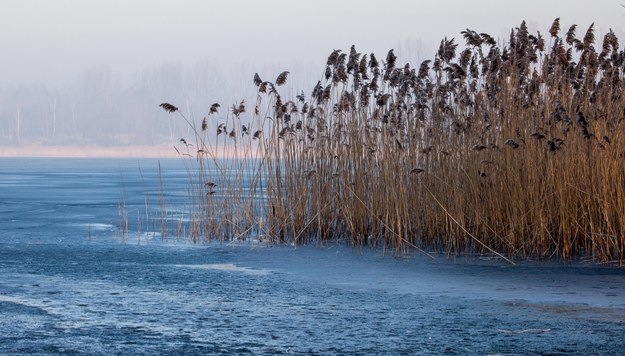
point(96, 254)
point(93, 72)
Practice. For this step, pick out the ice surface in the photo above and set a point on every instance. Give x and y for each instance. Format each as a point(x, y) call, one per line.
point(229, 267)
point(69, 283)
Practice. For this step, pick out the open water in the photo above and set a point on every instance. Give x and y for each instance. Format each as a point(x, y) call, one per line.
point(69, 284)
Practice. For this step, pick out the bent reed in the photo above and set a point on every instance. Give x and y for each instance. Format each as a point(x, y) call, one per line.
point(515, 150)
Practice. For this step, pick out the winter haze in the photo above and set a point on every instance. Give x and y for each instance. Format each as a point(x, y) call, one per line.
point(91, 73)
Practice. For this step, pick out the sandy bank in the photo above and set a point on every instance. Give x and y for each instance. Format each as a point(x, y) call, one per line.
point(161, 151)
point(93, 151)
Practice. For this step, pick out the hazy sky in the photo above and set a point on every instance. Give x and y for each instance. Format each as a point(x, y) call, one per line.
point(53, 41)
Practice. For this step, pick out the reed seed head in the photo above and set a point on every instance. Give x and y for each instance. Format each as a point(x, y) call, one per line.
point(168, 107)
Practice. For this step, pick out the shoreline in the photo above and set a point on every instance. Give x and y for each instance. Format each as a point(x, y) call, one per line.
point(162, 151)
point(89, 152)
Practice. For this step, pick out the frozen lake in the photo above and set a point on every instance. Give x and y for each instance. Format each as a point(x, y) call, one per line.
point(68, 285)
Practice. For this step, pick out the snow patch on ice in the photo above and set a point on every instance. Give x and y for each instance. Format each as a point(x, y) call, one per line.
point(228, 267)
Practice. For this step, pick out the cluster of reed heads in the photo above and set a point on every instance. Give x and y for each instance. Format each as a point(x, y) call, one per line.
point(514, 149)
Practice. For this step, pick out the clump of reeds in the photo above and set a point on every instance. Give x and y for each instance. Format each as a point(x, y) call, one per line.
point(224, 167)
point(514, 149)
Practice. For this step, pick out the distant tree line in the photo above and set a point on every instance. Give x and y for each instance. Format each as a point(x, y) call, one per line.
point(104, 108)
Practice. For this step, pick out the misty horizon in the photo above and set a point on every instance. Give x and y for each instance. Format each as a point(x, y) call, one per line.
point(54, 42)
point(93, 72)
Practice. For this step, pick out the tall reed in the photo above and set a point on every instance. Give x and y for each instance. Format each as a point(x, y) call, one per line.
point(513, 149)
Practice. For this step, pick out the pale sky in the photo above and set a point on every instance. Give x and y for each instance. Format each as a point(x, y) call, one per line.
point(53, 41)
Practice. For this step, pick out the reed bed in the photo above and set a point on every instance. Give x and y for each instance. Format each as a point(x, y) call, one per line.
point(513, 149)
